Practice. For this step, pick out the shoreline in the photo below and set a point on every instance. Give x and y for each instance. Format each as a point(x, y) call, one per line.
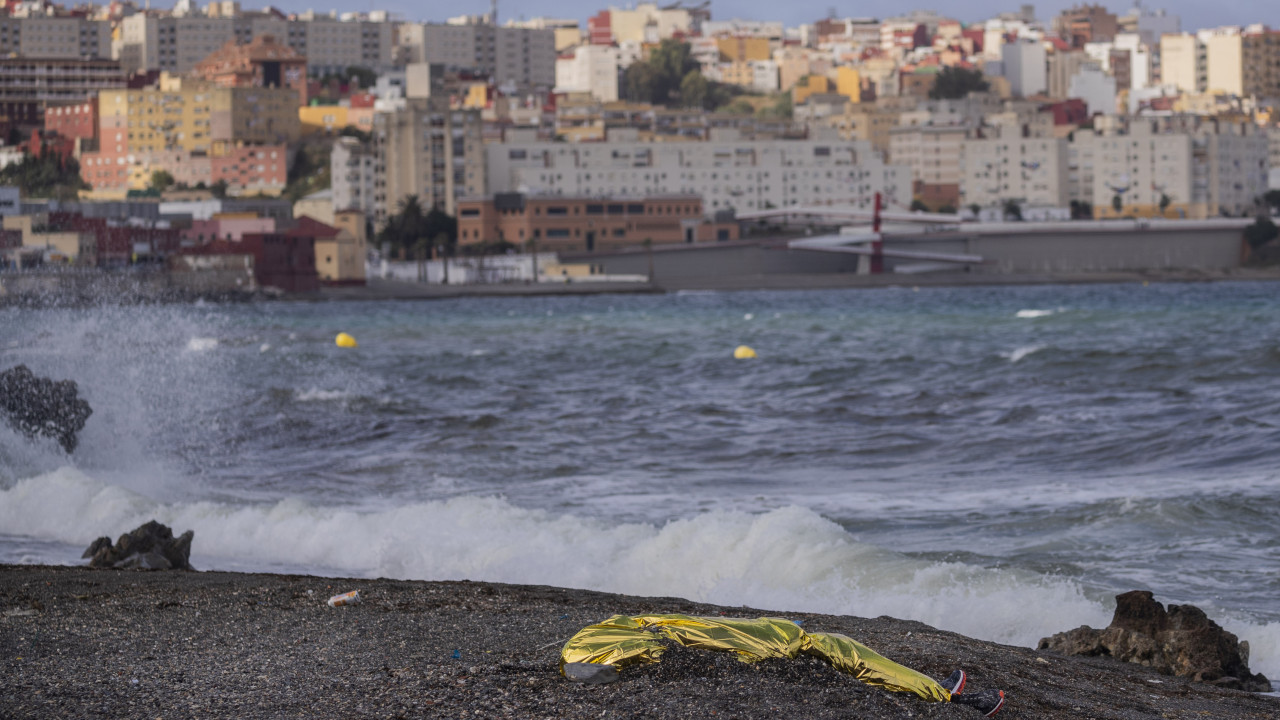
point(380, 289)
point(86, 642)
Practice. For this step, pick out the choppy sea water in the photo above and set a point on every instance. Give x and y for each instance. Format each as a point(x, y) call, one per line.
point(995, 461)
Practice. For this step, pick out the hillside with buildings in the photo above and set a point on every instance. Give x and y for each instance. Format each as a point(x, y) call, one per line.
point(303, 144)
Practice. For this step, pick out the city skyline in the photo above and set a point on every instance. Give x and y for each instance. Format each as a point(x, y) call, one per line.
point(1194, 15)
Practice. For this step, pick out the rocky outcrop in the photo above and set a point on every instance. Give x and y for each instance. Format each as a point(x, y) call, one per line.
point(1182, 641)
point(151, 547)
point(39, 406)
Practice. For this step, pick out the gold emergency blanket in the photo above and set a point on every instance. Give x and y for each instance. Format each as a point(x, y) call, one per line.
point(633, 640)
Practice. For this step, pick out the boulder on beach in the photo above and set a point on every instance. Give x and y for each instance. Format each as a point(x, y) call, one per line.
point(1182, 641)
point(151, 546)
point(40, 406)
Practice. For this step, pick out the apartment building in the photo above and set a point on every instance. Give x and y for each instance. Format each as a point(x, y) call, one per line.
point(197, 132)
point(743, 175)
point(30, 85)
point(933, 154)
point(54, 37)
point(1025, 67)
point(589, 69)
point(866, 121)
point(1029, 171)
point(523, 57)
point(429, 152)
point(352, 169)
point(1204, 166)
point(1184, 63)
point(1261, 64)
point(177, 44)
point(1224, 60)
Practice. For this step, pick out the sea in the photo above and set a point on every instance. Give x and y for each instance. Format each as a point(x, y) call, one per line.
point(996, 461)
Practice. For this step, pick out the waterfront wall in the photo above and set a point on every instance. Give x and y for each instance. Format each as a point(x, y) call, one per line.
point(1007, 249)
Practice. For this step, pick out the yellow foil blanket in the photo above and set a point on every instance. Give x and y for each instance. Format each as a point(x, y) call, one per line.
point(633, 640)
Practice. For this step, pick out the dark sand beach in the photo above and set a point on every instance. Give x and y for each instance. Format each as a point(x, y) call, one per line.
point(80, 643)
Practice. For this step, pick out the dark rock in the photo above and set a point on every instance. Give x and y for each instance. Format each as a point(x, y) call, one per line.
point(150, 547)
point(1182, 641)
point(39, 406)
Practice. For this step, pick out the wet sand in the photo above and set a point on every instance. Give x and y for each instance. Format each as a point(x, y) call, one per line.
point(82, 643)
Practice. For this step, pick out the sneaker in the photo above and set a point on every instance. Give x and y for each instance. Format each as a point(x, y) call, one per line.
point(987, 702)
point(954, 683)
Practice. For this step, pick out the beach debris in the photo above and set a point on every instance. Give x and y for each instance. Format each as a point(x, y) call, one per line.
point(623, 641)
point(743, 352)
point(150, 546)
point(1181, 641)
point(345, 341)
point(39, 406)
point(346, 598)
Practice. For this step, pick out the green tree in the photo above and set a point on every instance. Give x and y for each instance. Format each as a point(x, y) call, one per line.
point(917, 205)
point(693, 90)
point(947, 209)
point(1117, 203)
point(1261, 232)
point(1012, 210)
point(161, 180)
point(411, 230)
point(1165, 200)
point(740, 106)
point(975, 208)
point(219, 189)
point(362, 76)
point(47, 176)
point(954, 83)
point(640, 82)
point(1272, 198)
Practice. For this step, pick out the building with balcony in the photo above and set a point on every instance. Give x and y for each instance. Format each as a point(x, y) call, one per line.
point(28, 86)
point(742, 175)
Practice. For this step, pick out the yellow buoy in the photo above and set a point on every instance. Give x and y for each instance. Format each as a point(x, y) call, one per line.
point(742, 352)
point(345, 340)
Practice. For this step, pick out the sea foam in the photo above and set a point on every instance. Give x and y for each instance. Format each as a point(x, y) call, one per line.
point(790, 559)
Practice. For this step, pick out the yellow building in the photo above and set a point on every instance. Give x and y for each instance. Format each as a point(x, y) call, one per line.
point(744, 49)
point(322, 118)
point(849, 83)
point(866, 122)
point(809, 85)
point(196, 118)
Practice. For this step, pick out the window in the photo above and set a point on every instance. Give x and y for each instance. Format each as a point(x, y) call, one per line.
point(615, 209)
point(558, 210)
point(635, 208)
point(595, 209)
point(469, 212)
point(557, 232)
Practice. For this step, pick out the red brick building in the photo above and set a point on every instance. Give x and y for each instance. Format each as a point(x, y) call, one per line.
point(75, 121)
point(263, 62)
point(573, 224)
point(280, 260)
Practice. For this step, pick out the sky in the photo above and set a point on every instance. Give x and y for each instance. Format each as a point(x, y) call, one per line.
point(1195, 14)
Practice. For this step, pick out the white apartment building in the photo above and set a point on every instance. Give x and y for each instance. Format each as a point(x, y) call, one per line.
point(1205, 167)
point(1025, 66)
point(177, 44)
point(1029, 171)
point(932, 152)
point(1184, 63)
point(589, 69)
point(353, 172)
point(740, 175)
point(1095, 87)
point(1224, 60)
point(522, 57)
point(55, 37)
